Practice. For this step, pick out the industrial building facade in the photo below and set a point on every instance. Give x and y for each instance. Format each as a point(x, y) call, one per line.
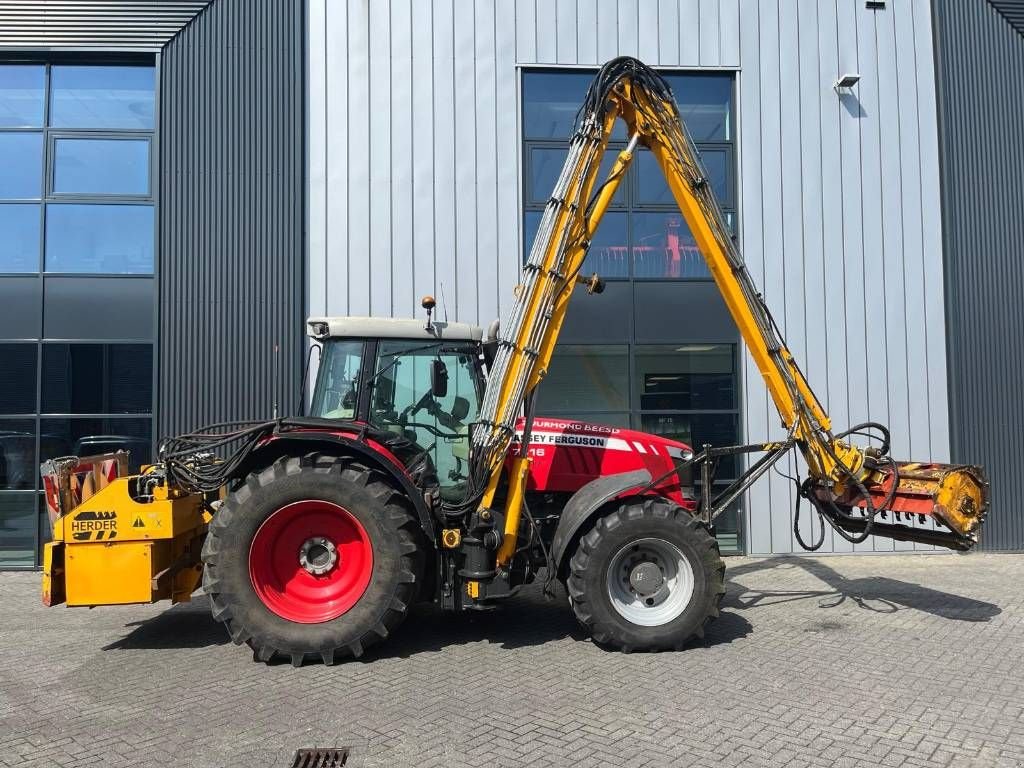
point(183, 182)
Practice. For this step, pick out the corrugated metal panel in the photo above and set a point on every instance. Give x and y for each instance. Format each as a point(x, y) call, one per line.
point(838, 216)
point(1012, 11)
point(230, 266)
point(979, 58)
point(839, 200)
point(120, 24)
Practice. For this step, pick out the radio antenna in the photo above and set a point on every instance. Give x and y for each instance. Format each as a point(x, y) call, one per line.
point(444, 304)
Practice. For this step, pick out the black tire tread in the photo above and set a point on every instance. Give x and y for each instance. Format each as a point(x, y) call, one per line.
point(399, 514)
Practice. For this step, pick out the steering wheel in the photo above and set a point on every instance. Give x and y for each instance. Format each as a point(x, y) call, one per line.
point(400, 422)
point(433, 430)
point(424, 402)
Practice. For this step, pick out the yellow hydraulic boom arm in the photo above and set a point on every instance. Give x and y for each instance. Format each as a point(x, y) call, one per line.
point(842, 475)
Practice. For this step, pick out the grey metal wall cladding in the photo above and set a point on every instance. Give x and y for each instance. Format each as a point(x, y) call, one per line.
point(230, 264)
point(414, 152)
point(1012, 11)
point(120, 24)
point(980, 64)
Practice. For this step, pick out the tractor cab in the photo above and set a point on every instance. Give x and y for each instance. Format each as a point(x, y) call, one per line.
point(421, 381)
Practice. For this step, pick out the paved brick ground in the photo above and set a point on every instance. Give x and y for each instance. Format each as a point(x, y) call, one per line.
point(842, 661)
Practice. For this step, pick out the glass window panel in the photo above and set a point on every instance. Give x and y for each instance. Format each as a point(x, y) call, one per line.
point(695, 429)
point(116, 239)
point(727, 525)
point(18, 520)
point(653, 190)
point(704, 103)
point(545, 166)
point(19, 244)
point(551, 101)
point(97, 378)
point(101, 166)
point(21, 165)
point(21, 95)
point(608, 252)
point(45, 526)
point(18, 465)
point(716, 163)
point(402, 402)
point(18, 378)
point(102, 97)
point(89, 436)
point(531, 222)
point(585, 378)
point(685, 377)
point(663, 247)
point(603, 418)
point(337, 382)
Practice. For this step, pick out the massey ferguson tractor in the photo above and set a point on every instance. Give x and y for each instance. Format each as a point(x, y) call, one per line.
point(423, 474)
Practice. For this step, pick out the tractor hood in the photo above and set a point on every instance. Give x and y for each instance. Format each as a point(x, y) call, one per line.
point(568, 454)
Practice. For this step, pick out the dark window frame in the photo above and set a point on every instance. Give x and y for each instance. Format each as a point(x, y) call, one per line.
point(50, 134)
point(530, 204)
point(48, 60)
point(57, 134)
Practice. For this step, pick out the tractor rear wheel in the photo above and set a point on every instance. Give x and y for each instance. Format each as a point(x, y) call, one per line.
point(648, 576)
point(317, 556)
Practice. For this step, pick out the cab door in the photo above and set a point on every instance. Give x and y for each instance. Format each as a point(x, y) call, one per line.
point(406, 399)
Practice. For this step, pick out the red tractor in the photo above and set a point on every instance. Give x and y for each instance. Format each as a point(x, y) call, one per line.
point(335, 524)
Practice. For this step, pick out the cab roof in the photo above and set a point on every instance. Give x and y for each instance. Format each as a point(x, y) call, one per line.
point(389, 328)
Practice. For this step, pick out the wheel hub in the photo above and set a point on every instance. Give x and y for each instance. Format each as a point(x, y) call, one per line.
point(650, 582)
point(646, 579)
point(318, 555)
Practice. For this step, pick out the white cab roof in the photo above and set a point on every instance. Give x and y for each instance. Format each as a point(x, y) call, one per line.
point(389, 328)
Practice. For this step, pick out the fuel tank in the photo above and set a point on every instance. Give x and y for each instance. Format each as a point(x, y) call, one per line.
point(568, 454)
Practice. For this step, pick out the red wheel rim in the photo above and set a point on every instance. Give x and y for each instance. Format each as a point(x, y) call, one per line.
point(284, 583)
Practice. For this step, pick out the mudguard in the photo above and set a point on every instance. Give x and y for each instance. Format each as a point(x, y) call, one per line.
point(360, 448)
point(586, 501)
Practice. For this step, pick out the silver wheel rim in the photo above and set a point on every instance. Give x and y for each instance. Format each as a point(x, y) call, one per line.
point(318, 555)
point(634, 587)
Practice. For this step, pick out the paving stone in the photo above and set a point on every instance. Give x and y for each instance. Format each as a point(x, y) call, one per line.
point(904, 660)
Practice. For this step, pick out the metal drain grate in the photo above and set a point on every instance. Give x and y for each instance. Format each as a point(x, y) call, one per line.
point(320, 758)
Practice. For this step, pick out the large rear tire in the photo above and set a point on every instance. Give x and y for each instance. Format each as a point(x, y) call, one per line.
point(313, 557)
point(647, 577)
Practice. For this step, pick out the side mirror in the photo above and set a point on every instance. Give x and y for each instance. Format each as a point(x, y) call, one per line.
point(438, 378)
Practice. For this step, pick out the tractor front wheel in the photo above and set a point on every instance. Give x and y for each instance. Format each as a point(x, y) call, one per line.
point(312, 557)
point(648, 576)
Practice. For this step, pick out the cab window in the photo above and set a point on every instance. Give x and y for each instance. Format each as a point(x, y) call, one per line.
point(403, 400)
point(337, 385)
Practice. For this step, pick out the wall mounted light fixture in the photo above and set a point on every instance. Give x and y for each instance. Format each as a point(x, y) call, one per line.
point(846, 81)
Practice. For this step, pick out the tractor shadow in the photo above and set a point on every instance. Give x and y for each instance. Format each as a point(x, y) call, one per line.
point(530, 619)
point(877, 594)
point(186, 625)
point(527, 620)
